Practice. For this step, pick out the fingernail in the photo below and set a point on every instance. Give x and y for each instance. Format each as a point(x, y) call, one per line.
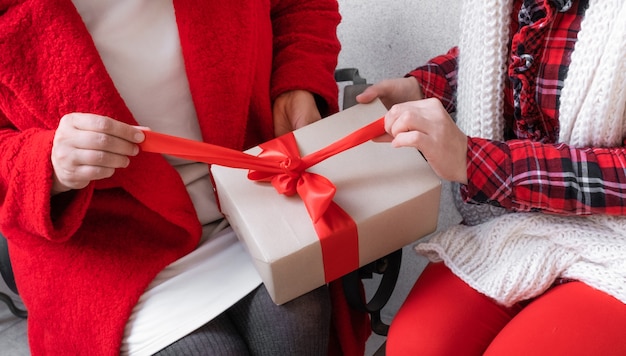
point(139, 136)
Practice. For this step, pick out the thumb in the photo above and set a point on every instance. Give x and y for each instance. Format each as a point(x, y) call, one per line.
point(369, 94)
point(383, 138)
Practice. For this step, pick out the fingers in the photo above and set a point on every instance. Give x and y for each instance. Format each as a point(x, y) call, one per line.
point(411, 116)
point(384, 90)
point(410, 139)
point(368, 95)
point(392, 91)
point(89, 147)
point(383, 138)
point(426, 126)
point(78, 177)
point(100, 134)
point(105, 125)
point(293, 110)
point(104, 142)
point(86, 156)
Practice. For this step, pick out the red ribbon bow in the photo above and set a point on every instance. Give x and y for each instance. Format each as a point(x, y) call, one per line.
point(280, 163)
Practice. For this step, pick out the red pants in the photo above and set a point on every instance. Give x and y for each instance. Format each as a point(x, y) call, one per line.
point(444, 316)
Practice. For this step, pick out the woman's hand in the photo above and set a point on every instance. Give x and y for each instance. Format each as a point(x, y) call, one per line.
point(88, 147)
point(427, 126)
point(392, 91)
point(293, 110)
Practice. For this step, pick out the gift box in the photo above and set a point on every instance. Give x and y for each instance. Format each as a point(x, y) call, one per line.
point(390, 195)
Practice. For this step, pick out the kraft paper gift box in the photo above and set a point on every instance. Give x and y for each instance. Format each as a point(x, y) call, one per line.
point(391, 194)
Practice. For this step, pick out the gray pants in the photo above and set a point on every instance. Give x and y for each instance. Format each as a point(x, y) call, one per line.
point(257, 326)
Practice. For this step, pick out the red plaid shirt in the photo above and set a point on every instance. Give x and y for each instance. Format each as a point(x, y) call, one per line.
point(531, 171)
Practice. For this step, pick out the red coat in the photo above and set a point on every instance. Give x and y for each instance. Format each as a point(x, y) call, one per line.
point(82, 259)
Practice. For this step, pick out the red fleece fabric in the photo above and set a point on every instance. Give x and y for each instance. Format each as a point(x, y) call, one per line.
point(83, 258)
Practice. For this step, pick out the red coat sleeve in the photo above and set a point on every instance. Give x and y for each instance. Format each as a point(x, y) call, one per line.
point(306, 48)
point(26, 182)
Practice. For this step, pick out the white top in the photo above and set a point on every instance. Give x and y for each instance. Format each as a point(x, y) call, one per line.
point(139, 45)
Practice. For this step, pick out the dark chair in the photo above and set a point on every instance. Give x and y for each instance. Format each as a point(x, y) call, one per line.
point(7, 275)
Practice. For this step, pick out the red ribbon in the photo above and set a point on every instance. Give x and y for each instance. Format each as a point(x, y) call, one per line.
point(280, 163)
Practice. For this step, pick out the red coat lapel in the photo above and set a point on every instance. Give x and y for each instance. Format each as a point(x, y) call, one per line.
point(61, 72)
point(219, 41)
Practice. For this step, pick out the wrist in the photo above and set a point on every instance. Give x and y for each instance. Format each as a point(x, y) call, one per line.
point(415, 88)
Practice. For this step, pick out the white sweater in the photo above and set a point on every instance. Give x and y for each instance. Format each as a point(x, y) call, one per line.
point(518, 256)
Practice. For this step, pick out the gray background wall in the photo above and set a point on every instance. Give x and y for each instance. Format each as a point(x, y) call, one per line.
point(387, 39)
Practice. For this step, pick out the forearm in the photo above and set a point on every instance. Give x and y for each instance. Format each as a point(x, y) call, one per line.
point(528, 176)
point(437, 78)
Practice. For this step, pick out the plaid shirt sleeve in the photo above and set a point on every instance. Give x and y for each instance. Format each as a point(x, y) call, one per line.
point(529, 176)
point(438, 78)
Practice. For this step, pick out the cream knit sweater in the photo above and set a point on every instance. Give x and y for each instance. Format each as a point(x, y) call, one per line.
point(517, 256)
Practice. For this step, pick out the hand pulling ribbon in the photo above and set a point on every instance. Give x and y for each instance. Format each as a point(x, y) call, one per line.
point(280, 163)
